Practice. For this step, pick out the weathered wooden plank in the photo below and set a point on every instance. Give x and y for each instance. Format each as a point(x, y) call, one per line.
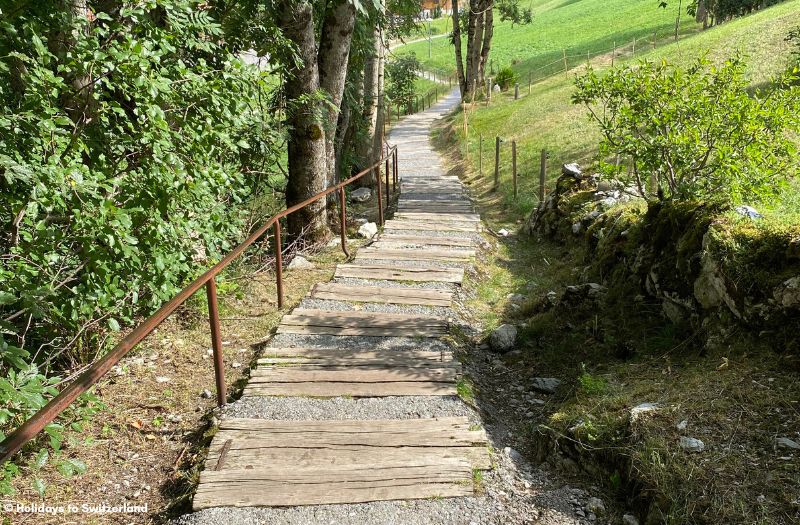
point(372, 318)
point(393, 273)
point(412, 254)
point(300, 374)
point(424, 331)
point(426, 216)
point(432, 226)
point(383, 295)
point(339, 353)
point(339, 389)
point(247, 454)
point(428, 241)
point(358, 427)
point(331, 485)
point(320, 364)
point(308, 321)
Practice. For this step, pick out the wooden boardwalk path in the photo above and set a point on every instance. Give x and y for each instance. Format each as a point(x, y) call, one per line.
point(263, 462)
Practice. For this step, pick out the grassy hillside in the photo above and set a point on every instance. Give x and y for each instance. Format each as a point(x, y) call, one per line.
point(559, 26)
point(547, 119)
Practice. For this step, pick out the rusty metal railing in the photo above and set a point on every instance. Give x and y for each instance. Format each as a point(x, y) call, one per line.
point(36, 423)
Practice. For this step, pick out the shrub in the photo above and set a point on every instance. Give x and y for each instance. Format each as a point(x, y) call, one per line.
point(401, 76)
point(506, 78)
point(694, 133)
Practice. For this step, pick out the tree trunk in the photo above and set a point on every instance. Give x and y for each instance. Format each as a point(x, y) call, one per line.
point(306, 144)
point(333, 56)
point(462, 82)
point(488, 31)
point(368, 148)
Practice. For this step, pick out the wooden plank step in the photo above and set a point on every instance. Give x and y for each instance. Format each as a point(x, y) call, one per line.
point(345, 374)
point(379, 294)
point(332, 322)
point(393, 273)
point(339, 353)
point(248, 455)
point(430, 226)
point(413, 254)
point(320, 364)
point(379, 432)
point(456, 217)
point(346, 483)
point(344, 389)
point(461, 242)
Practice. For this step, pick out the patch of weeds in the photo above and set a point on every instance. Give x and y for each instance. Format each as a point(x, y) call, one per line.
point(591, 385)
point(464, 391)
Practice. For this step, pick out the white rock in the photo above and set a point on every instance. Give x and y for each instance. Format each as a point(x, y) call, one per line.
point(748, 211)
point(642, 409)
point(496, 88)
point(503, 338)
point(629, 519)
point(162, 379)
point(301, 263)
point(236, 364)
point(785, 442)
point(503, 233)
point(692, 444)
point(548, 385)
point(576, 228)
point(368, 230)
point(360, 195)
point(682, 425)
point(205, 394)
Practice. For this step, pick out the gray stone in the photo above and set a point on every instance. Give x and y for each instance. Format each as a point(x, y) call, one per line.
point(503, 233)
point(692, 444)
point(301, 263)
point(784, 442)
point(787, 295)
point(547, 385)
point(577, 228)
point(360, 195)
point(596, 506)
point(682, 425)
point(205, 394)
point(748, 211)
point(368, 230)
point(516, 297)
point(496, 88)
point(629, 519)
point(642, 409)
point(503, 337)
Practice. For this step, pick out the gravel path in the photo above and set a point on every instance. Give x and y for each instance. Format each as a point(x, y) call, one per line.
point(513, 492)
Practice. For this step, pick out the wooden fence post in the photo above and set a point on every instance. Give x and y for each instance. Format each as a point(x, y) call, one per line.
point(542, 172)
point(564, 51)
point(514, 166)
point(634, 47)
point(480, 156)
point(516, 91)
point(496, 163)
point(614, 53)
point(655, 38)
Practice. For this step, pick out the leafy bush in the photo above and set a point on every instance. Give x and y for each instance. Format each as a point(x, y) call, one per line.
point(794, 38)
point(506, 78)
point(125, 139)
point(401, 75)
point(694, 133)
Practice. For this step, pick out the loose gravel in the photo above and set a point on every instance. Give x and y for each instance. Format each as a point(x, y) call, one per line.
point(355, 343)
point(352, 281)
point(412, 309)
point(302, 408)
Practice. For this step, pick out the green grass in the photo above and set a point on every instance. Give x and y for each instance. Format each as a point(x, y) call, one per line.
point(546, 119)
point(574, 27)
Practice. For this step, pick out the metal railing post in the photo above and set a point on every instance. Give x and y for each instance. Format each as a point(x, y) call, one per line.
point(388, 191)
point(380, 195)
point(216, 339)
point(343, 221)
point(278, 263)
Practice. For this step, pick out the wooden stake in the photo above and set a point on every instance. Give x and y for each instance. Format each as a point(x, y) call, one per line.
point(542, 172)
point(496, 163)
point(514, 166)
point(564, 51)
point(516, 91)
point(614, 53)
point(480, 156)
